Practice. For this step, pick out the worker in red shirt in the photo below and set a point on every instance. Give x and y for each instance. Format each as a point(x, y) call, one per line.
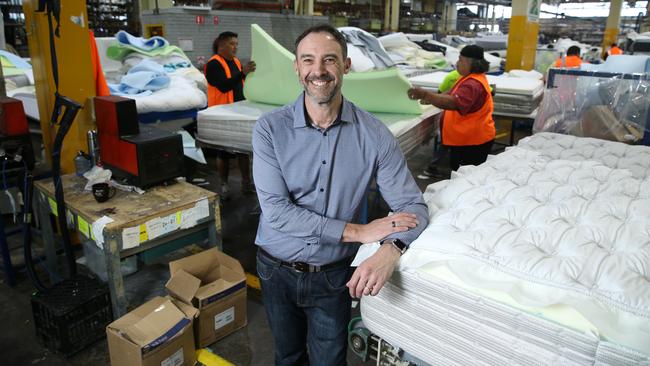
point(467, 124)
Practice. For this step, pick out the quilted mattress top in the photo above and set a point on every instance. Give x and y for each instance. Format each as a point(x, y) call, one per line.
point(577, 226)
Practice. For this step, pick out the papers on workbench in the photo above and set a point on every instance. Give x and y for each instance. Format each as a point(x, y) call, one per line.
point(159, 226)
point(98, 229)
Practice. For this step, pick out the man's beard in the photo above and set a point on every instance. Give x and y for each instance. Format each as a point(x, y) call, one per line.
point(324, 95)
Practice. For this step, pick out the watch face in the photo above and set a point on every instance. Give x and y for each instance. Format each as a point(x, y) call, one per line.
point(400, 245)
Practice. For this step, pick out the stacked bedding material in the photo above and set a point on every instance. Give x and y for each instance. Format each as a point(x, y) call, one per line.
point(443, 324)
point(230, 126)
point(513, 95)
point(540, 256)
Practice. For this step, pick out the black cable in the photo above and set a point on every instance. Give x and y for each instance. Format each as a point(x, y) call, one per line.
point(71, 109)
point(28, 189)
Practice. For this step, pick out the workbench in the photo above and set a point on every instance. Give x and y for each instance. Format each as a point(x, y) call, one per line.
point(163, 219)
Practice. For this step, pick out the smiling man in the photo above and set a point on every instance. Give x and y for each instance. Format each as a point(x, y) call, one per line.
point(313, 161)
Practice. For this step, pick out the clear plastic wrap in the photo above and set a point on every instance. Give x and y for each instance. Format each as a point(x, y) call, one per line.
point(607, 106)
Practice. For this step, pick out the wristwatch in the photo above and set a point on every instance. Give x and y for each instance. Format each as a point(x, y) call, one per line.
point(400, 245)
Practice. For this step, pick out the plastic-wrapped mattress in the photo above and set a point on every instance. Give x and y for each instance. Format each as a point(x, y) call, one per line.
point(513, 95)
point(230, 126)
point(540, 256)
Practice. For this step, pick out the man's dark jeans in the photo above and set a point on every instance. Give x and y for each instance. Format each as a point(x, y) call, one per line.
point(306, 311)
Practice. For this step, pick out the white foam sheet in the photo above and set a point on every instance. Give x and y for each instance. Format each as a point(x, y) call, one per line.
point(547, 230)
point(230, 126)
point(504, 84)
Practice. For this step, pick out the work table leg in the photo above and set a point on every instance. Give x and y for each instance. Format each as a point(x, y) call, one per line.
point(214, 230)
point(114, 274)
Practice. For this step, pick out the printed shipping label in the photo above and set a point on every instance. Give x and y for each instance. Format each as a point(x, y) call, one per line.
point(174, 360)
point(224, 318)
point(130, 237)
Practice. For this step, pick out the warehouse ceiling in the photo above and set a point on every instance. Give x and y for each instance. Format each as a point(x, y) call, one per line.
point(552, 2)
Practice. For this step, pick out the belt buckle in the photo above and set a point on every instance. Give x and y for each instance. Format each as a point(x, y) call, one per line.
point(301, 267)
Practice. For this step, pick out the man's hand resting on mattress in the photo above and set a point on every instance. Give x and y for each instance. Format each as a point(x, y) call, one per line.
point(373, 273)
point(380, 228)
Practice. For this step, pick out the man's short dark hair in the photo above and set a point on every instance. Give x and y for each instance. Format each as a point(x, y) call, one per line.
point(222, 37)
point(479, 66)
point(325, 28)
point(573, 51)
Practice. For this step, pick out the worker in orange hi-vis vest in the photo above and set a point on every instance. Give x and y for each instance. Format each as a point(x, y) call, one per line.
point(572, 59)
point(226, 75)
point(467, 123)
point(613, 51)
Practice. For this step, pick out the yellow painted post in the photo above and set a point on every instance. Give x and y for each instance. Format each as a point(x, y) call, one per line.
point(522, 36)
point(387, 15)
point(613, 24)
point(394, 16)
point(75, 73)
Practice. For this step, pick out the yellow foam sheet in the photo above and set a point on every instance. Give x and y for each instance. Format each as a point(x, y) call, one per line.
point(275, 81)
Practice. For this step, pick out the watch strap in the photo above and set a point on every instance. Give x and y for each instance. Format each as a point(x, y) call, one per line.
point(397, 243)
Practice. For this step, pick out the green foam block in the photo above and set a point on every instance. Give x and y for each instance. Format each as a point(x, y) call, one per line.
point(275, 81)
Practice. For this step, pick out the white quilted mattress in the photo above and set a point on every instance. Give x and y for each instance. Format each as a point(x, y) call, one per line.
point(615, 155)
point(230, 126)
point(557, 231)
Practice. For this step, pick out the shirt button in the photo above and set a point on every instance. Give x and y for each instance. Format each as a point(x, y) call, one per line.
point(324, 162)
point(324, 133)
point(322, 190)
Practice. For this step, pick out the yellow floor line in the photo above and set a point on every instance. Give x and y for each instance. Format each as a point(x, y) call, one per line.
point(208, 358)
point(252, 281)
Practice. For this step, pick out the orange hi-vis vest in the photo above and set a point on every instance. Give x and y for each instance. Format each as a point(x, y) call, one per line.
point(215, 96)
point(569, 61)
point(615, 51)
point(474, 128)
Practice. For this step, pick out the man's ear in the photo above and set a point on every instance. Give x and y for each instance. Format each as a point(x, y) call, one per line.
point(295, 66)
point(347, 65)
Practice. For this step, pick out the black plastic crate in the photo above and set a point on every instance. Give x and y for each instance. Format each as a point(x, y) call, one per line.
point(72, 314)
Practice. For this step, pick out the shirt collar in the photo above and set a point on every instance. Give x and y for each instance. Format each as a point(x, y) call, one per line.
point(299, 121)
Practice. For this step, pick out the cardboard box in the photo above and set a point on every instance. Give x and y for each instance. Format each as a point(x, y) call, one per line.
point(158, 333)
point(214, 283)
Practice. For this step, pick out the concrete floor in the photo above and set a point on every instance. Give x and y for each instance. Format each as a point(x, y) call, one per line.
point(252, 345)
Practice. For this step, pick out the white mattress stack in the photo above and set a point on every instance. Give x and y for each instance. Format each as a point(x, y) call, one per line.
point(442, 324)
point(230, 126)
point(539, 256)
point(513, 95)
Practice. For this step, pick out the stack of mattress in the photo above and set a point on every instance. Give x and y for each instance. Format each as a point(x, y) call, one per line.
point(513, 96)
point(230, 126)
point(540, 256)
